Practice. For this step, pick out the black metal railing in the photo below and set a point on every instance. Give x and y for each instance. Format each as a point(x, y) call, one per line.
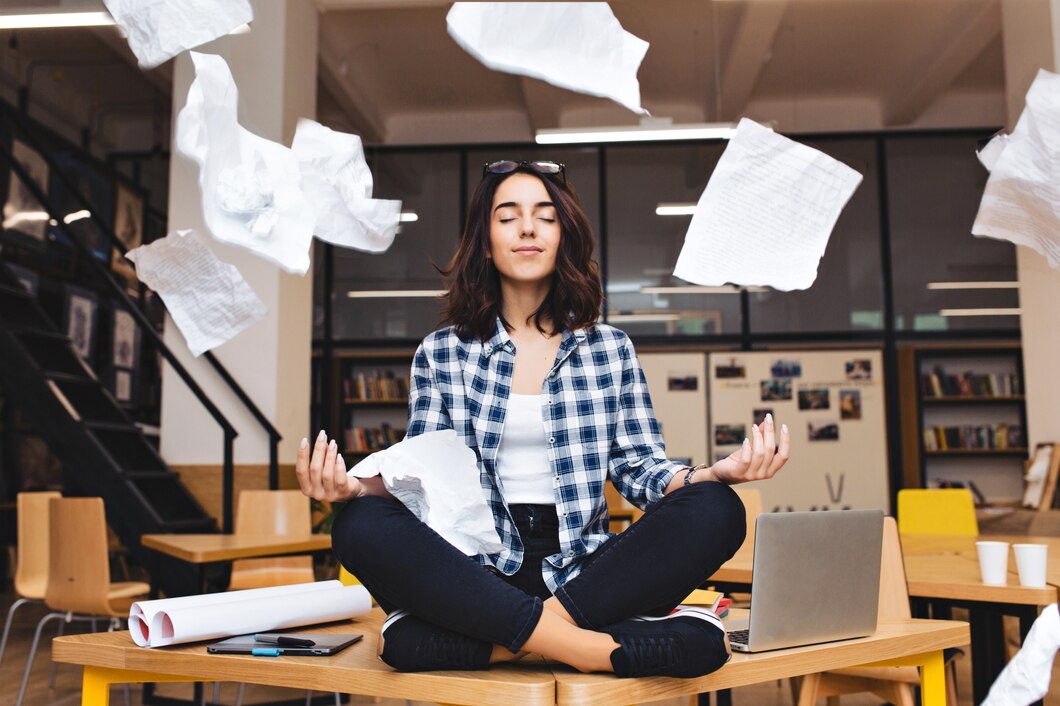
point(229, 432)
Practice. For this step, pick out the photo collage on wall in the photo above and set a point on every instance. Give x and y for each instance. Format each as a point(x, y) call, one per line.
point(821, 409)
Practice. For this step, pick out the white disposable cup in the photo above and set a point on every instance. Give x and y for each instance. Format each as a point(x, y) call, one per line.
point(993, 562)
point(1030, 560)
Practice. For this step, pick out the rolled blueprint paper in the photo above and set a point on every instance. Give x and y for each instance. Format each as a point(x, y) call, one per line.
point(171, 621)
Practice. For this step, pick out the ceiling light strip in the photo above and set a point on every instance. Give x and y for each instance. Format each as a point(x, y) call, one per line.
point(636, 133)
point(979, 312)
point(40, 20)
point(973, 285)
point(394, 293)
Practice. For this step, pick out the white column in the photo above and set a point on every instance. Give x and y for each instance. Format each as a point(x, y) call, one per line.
point(1032, 41)
point(275, 69)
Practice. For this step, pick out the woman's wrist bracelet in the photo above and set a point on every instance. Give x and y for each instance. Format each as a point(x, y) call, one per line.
point(691, 472)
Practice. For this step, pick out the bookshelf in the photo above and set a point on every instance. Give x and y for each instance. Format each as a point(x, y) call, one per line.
point(370, 400)
point(970, 418)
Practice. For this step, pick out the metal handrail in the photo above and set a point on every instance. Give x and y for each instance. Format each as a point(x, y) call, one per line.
point(259, 416)
point(230, 432)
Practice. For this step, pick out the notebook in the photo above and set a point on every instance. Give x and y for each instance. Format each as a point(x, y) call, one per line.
point(323, 645)
point(816, 579)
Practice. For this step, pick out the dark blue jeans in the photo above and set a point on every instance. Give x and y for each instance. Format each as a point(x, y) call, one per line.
point(648, 569)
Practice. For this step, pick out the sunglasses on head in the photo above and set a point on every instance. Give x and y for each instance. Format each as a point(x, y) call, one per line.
point(507, 166)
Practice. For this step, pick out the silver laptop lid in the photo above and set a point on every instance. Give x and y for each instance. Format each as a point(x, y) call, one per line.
point(816, 577)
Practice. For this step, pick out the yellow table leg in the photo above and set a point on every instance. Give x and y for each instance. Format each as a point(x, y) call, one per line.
point(932, 675)
point(96, 681)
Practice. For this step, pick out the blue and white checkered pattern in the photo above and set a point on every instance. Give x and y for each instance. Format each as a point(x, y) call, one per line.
point(598, 419)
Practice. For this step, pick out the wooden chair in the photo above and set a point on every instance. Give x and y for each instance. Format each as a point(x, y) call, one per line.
point(893, 684)
point(939, 511)
point(272, 512)
point(79, 585)
point(31, 574)
point(752, 503)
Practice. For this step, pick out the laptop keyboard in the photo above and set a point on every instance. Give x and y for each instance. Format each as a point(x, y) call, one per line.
point(739, 636)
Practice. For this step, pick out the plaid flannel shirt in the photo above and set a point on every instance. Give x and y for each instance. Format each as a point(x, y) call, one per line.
point(598, 420)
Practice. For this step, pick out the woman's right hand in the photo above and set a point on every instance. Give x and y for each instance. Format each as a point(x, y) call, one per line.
point(322, 476)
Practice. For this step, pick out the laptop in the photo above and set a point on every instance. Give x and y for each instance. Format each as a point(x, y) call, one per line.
point(816, 579)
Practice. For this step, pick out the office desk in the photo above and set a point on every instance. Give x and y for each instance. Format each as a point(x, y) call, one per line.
point(945, 571)
point(113, 658)
point(209, 548)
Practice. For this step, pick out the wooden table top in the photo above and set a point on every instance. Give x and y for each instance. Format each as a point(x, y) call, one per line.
point(530, 681)
point(944, 568)
point(206, 548)
point(355, 670)
point(891, 640)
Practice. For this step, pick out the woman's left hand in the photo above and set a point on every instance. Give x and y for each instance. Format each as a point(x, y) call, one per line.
point(759, 458)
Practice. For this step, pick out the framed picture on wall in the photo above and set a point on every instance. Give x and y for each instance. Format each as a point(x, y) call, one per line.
point(128, 227)
point(126, 338)
point(22, 212)
point(79, 321)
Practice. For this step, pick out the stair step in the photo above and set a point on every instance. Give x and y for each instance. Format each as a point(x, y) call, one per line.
point(150, 475)
point(94, 405)
point(21, 311)
point(16, 290)
point(58, 376)
point(42, 334)
point(118, 426)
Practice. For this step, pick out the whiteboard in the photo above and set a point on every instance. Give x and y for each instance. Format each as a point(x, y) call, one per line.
point(833, 403)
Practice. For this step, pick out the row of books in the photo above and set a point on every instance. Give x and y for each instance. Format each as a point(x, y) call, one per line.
point(939, 384)
point(377, 385)
point(372, 438)
point(980, 437)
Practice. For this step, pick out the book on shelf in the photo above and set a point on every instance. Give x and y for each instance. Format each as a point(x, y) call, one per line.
point(376, 385)
point(969, 384)
point(1000, 437)
point(372, 438)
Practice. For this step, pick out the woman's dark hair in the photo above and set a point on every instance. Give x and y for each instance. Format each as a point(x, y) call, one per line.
point(473, 301)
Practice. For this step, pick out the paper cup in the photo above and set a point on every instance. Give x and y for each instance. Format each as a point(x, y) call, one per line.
point(1030, 560)
point(993, 562)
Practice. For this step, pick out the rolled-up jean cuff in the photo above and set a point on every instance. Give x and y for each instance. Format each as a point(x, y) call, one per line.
point(516, 645)
point(572, 609)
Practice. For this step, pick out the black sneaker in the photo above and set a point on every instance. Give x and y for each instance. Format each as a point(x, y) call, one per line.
point(690, 642)
point(414, 645)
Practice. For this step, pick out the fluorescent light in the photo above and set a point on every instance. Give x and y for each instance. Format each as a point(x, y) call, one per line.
point(56, 19)
point(675, 209)
point(723, 289)
point(408, 216)
point(979, 312)
point(973, 285)
point(643, 317)
point(395, 293)
point(636, 133)
point(17, 217)
point(76, 216)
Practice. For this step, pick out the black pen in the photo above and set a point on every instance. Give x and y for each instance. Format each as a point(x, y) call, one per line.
point(285, 640)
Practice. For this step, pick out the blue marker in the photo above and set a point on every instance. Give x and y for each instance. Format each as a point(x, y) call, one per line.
point(265, 652)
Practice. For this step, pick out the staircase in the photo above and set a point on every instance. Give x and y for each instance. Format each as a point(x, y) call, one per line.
point(103, 453)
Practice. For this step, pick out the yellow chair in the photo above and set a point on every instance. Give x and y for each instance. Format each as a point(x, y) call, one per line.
point(272, 512)
point(79, 585)
point(31, 576)
point(938, 511)
point(894, 684)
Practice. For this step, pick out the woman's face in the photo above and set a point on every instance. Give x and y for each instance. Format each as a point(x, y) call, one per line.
point(524, 230)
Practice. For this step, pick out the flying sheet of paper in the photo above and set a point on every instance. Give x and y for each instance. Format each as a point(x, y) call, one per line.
point(337, 182)
point(209, 300)
point(1025, 679)
point(158, 30)
point(766, 214)
point(436, 476)
point(575, 45)
point(251, 187)
point(1021, 202)
point(993, 149)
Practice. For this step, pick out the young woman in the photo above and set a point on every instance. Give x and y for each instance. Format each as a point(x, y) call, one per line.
point(553, 404)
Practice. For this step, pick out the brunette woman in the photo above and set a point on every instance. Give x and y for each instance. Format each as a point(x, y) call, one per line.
point(553, 404)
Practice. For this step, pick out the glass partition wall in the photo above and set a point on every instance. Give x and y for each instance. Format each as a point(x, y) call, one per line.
point(901, 259)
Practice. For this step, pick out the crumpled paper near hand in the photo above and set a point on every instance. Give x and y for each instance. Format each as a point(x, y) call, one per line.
point(337, 182)
point(436, 476)
point(158, 30)
point(251, 187)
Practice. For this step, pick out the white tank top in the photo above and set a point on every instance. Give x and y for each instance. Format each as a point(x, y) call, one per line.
point(522, 457)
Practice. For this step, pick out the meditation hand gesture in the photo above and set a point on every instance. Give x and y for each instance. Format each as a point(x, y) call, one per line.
point(323, 477)
point(759, 458)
